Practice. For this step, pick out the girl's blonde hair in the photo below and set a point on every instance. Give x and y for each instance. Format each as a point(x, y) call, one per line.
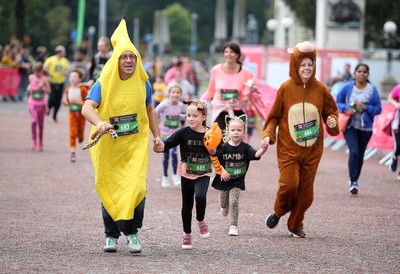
point(228, 120)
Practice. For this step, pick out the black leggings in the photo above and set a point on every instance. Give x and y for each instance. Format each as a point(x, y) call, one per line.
point(396, 137)
point(197, 188)
point(55, 98)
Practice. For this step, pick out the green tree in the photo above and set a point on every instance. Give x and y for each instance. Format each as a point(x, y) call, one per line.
point(179, 24)
point(59, 25)
point(376, 14)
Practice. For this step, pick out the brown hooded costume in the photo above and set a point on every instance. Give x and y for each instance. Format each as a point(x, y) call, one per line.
point(300, 111)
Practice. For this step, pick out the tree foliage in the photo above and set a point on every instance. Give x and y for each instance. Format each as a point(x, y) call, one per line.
point(180, 27)
point(50, 22)
point(376, 14)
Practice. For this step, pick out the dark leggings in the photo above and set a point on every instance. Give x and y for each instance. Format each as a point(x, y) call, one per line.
point(55, 98)
point(396, 137)
point(174, 161)
point(114, 228)
point(197, 188)
point(357, 141)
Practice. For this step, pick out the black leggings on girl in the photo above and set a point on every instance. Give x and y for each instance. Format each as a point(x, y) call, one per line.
point(198, 189)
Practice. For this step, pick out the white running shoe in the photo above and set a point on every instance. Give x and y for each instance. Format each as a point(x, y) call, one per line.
point(111, 245)
point(164, 182)
point(176, 179)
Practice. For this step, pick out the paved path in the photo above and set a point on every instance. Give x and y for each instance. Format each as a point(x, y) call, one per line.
point(50, 219)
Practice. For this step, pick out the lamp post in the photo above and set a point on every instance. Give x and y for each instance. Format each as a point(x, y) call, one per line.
point(271, 25)
point(388, 81)
point(193, 36)
point(287, 23)
point(390, 29)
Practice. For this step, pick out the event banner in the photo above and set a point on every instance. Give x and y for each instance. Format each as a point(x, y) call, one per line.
point(9, 81)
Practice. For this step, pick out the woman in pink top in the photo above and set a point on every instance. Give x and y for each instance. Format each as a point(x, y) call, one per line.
point(38, 87)
point(394, 99)
point(228, 82)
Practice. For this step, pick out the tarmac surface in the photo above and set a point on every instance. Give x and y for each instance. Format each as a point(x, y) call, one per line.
point(50, 216)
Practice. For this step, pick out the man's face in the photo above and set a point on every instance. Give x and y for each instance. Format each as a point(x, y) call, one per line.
point(127, 64)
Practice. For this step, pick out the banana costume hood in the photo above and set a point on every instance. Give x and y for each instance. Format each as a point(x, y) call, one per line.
point(121, 166)
point(299, 112)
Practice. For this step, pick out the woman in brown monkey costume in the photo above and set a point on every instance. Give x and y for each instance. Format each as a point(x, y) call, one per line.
point(301, 107)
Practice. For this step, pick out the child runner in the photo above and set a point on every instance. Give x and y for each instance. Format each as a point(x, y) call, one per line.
point(194, 168)
point(75, 96)
point(234, 156)
point(170, 114)
point(38, 86)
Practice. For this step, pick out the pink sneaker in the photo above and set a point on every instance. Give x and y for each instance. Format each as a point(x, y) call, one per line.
point(224, 211)
point(187, 241)
point(33, 145)
point(41, 147)
point(203, 227)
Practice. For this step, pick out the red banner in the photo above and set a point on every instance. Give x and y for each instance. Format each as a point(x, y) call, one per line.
point(9, 81)
point(380, 140)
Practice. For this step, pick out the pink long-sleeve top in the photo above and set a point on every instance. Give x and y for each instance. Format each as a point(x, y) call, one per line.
point(222, 81)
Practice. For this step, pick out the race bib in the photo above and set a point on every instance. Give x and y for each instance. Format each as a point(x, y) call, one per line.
point(38, 95)
point(171, 121)
point(125, 125)
point(236, 169)
point(229, 94)
point(75, 107)
point(306, 131)
point(196, 165)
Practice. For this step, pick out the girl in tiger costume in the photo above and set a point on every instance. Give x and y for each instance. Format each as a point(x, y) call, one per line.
point(234, 156)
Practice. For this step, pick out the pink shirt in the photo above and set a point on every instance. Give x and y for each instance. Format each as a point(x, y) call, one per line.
point(221, 80)
point(36, 85)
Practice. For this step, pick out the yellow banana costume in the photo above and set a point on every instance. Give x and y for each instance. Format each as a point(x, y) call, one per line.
point(121, 166)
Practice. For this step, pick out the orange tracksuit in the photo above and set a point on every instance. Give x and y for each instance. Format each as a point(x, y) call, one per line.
point(76, 119)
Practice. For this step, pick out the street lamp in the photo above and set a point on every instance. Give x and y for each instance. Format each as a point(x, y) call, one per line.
point(272, 25)
point(287, 23)
point(193, 37)
point(390, 29)
point(388, 81)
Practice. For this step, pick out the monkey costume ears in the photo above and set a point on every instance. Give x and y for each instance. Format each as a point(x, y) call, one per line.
point(242, 118)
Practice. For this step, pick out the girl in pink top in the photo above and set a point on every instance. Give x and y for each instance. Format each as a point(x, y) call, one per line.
point(228, 82)
point(38, 87)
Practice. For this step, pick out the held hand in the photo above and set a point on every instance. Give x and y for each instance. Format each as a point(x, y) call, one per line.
point(101, 127)
point(265, 142)
point(359, 105)
point(331, 122)
point(350, 111)
point(158, 145)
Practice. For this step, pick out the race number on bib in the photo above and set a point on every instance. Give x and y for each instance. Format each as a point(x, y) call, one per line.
point(126, 124)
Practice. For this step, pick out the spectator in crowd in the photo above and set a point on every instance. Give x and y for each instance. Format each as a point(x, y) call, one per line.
point(100, 58)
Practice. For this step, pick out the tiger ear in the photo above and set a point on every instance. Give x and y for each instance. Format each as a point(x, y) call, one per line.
point(243, 117)
point(227, 120)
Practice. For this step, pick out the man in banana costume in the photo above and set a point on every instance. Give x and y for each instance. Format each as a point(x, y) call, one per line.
point(121, 99)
